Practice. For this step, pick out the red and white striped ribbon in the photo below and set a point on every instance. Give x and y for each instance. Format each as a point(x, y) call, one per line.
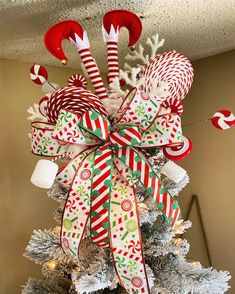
point(96, 123)
point(135, 162)
point(101, 196)
point(130, 136)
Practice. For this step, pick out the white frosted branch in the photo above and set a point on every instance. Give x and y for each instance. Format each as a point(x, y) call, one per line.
point(154, 44)
point(34, 113)
point(181, 226)
point(158, 88)
point(132, 79)
point(138, 55)
point(44, 246)
point(116, 90)
point(127, 67)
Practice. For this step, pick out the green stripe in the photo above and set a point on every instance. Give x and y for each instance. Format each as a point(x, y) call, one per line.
point(124, 236)
point(125, 278)
point(58, 150)
point(72, 220)
point(74, 167)
point(72, 252)
point(115, 202)
point(154, 104)
point(159, 131)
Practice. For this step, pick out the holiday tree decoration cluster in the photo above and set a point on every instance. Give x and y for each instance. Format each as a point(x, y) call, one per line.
point(116, 190)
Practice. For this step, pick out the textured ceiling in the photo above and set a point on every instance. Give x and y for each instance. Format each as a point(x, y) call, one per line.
point(199, 28)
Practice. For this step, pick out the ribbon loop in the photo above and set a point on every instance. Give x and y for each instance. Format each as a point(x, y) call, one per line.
point(165, 130)
point(43, 143)
point(68, 129)
point(96, 124)
point(129, 136)
point(137, 109)
point(77, 207)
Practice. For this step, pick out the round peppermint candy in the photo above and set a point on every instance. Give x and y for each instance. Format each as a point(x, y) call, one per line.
point(38, 74)
point(169, 71)
point(85, 174)
point(137, 282)
point(180, 151)
point(43, 105)
point(77, 81)
point(126, 205)
point(223, 119)
point(174, 104)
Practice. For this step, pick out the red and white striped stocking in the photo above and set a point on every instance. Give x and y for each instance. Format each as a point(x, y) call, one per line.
point(82, 45)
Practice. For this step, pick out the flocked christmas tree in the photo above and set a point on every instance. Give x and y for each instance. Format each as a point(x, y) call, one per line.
point(121, 224)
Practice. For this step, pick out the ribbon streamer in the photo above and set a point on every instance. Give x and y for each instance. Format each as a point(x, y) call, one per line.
point(101, 180)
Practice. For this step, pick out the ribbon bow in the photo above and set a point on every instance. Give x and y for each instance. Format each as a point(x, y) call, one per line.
point(101, 179)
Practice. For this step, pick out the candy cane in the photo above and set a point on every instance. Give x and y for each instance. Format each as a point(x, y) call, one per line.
point(113, 21)
point(74, 32)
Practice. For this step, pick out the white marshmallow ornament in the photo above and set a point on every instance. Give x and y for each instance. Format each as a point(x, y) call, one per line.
point(173, 171)
point(44, 174)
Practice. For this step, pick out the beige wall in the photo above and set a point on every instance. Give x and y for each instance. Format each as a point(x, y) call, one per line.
point(211, 167)
point(23, 206)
